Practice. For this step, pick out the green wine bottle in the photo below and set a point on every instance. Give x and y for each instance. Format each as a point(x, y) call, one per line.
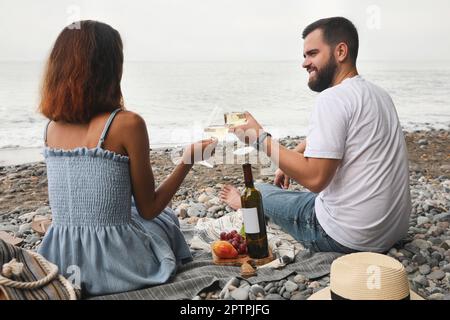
point(253, 217)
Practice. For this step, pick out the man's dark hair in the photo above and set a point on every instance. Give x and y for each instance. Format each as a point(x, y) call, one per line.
point(336, 30)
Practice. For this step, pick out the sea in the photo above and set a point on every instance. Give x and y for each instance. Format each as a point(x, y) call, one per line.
point(178, 99)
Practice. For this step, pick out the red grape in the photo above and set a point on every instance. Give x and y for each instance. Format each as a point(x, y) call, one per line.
point(236, 240)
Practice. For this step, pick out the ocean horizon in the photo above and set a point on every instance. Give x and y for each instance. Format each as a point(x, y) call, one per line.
point(179, 99)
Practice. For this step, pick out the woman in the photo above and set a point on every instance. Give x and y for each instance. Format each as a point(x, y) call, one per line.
point(97, 156)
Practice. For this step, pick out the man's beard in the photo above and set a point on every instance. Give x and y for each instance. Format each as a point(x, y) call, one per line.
point(324, 77)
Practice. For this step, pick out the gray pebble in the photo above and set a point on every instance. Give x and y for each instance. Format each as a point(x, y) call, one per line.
point(406, 253)
point(444, 216)
point(43, 210)
point(300, 278)
point(424, 269)
point(214, 209)
point(301, 287)
point(437, 255)
point(298, 296)
point(419, 259)
point(287, 295)
point(257, 289)
point(422, 142)
point(421, 280)
point(314, 285)
point(410, 269)
point(290, 286)
point(446, 268)
point(235, 282)
point(436, 296)
point(274, 296)
point(422, 220)
point(197, 210)
point(436, 275)
point(273, 290)
point(9, 228)
point(421, 244)
point(31, 239)
point(240, 293)
point(282, 290)
point(268, 286)
point(24, 228)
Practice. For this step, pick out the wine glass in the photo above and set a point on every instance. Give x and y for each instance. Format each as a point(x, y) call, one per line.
point(217, 132)
point(237, 119)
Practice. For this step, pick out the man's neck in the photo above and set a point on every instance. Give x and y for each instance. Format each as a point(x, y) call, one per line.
point(344, 74)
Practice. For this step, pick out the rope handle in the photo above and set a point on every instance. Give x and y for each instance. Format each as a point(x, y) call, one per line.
point(14, 267)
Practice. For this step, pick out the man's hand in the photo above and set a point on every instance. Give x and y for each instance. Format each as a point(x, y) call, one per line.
point(248, 132)
point(281, 179)
point(300, 148)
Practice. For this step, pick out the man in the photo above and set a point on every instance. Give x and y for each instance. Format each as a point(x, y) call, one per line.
point(354, 159)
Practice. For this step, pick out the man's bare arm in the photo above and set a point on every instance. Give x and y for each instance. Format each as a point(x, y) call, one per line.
point(312, 173)
point(300, 148)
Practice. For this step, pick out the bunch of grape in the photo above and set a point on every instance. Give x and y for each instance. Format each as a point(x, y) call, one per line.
point(236, 240)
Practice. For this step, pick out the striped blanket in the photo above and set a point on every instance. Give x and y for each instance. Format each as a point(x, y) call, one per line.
point(202, 275)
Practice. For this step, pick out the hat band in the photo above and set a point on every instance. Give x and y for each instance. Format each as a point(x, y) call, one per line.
point(335, 296)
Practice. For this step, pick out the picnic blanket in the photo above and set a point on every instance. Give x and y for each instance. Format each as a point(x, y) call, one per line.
point(202, 275)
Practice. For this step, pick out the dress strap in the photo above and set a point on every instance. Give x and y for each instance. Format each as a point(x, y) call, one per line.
point(45, 132)
point(106, 128)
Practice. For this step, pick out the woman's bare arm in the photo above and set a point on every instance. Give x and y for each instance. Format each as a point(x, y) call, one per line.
point(149, 202)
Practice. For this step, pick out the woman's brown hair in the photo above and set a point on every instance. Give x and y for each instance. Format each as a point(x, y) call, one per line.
point(83, 73)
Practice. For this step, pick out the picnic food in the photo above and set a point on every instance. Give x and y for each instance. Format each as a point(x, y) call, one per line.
point(235, 239)
point(224, 249)
point(247, 270)
point(253, 216)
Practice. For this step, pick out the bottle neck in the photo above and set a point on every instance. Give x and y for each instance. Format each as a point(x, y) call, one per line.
point(248, 176)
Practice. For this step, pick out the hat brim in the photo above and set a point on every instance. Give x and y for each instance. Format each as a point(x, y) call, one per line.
point(325, 294)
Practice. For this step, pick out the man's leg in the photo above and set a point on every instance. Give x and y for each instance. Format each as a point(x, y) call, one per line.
point(291, 210)
point(294, 212)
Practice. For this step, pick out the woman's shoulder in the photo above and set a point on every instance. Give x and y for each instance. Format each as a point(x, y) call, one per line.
point(130, 120)
point(130, 128)
point(130, 117)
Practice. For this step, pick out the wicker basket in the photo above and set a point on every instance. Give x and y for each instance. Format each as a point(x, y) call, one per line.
point(26, 275)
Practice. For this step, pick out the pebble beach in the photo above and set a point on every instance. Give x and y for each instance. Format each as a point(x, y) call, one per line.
point(425, 252)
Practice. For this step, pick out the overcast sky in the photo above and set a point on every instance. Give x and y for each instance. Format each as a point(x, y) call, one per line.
point(186, 30)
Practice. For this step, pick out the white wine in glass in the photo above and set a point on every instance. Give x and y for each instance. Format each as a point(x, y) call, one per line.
point(235, 118)
point(216, 131)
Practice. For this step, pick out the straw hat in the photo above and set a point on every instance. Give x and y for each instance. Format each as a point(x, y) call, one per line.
point(367, 276)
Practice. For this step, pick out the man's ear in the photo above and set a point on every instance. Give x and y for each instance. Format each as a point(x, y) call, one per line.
point(341, 51)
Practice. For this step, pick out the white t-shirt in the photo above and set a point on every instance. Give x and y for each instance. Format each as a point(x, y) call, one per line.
point(367, 204)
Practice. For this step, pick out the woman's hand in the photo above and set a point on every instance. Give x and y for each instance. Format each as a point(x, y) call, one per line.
point(199, 151)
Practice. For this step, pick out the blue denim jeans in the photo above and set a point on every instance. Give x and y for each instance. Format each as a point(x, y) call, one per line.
point(294, 212)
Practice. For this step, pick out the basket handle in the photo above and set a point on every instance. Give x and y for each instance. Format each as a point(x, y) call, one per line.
point(14, 267)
